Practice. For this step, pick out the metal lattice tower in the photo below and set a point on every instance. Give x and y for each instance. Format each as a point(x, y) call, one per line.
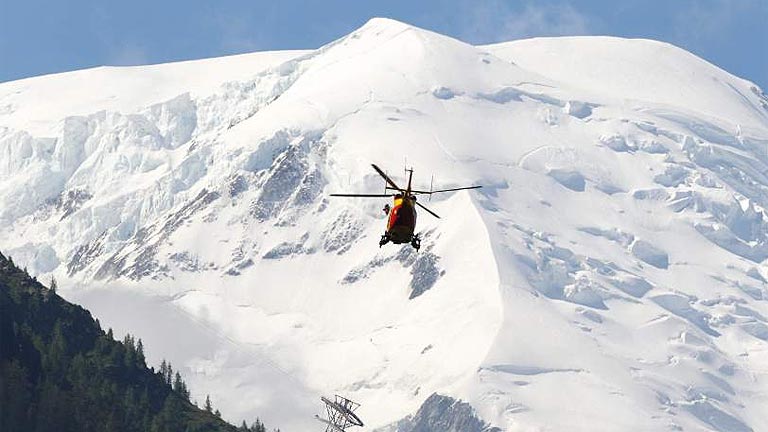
point(341, 414)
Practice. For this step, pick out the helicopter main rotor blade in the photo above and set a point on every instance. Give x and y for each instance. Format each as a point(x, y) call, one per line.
point(445, 190)
point(364, 195)
point(428, 210)
point(386, 178)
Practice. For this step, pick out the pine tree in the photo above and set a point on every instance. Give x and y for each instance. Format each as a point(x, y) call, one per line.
point(129, 342)
point(140, 354)
point(258, 426)
point(52, 409)
point(56, 359)
point(208, 404)
point(177, 384)
point(166, 371)
point(169, 419)
point(163, 369)
point(244, 427)
point(130, 351)
point(54, 285)
point(15, 396)
point(144, 407)
point(180, 387)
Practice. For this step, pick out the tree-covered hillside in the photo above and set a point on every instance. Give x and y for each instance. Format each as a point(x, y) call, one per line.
point(59, 371)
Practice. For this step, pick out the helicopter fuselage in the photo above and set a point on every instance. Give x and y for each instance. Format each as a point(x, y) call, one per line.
point(402, 219)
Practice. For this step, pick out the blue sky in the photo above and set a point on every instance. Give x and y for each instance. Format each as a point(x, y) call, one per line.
point(46, 36)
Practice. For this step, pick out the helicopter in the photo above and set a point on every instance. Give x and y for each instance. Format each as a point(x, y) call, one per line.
point(401, 221)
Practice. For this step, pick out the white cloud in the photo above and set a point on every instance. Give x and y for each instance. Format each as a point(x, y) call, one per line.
point(496, 20)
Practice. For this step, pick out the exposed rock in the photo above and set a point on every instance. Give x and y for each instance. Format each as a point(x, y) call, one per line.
point(442, 414)
point(147, 240)
point(86, 254)
point(425, 273)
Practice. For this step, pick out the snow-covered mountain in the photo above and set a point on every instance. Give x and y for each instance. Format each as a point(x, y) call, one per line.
point(610, 275)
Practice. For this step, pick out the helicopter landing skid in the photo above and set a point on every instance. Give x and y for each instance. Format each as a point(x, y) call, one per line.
point(416, 242)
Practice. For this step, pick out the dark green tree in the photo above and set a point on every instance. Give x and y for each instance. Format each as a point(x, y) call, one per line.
point(140, 354)
point(163, 369)
point(258, 426)
point(169, 375)
point(169, 419)
point(180, 387)
point(15, 396)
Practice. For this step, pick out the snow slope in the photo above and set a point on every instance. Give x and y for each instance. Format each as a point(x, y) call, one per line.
point(607, 66)
point(37, 105)
point(610, 275)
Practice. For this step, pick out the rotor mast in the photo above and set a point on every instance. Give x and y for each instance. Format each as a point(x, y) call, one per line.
point(410, 177)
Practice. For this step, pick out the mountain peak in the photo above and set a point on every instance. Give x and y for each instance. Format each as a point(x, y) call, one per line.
point(388, 27)
point(384, 23)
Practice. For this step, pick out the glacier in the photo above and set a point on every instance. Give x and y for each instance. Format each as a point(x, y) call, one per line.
point(610, 275)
